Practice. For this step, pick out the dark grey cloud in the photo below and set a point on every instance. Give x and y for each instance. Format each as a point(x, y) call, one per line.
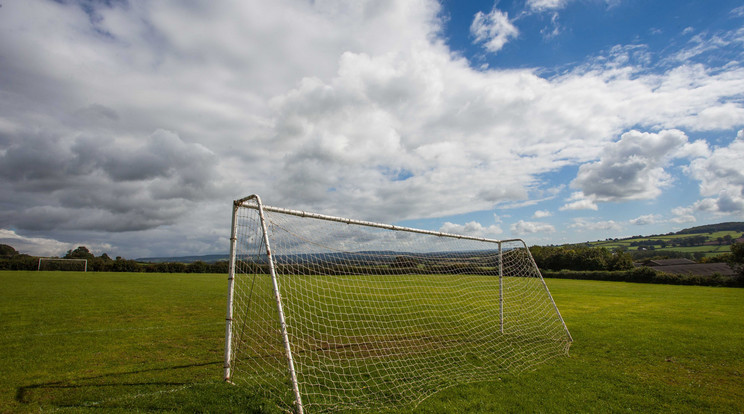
point(95, 114)
point(631, 168)
point(103, 184)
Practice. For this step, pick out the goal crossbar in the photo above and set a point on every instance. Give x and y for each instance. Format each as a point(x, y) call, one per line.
point(251, 255)
point(300, 213)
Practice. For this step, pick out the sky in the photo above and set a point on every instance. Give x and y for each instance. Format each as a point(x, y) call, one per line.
point(130, 126)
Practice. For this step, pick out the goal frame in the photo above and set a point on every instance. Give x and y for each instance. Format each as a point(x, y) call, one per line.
point(49, 259)
point(256, 204)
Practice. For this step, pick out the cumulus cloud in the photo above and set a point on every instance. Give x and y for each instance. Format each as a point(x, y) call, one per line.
point(46, 247)
point(632, 168)
point(148, 118)
point(721, 178)
point(683, 215)
point(493, 29)
point(542, 214)
point(645, 220)
point(472, 228)
point(583, 224)
point(529, 227)
point(578, 201)
point(99, 183)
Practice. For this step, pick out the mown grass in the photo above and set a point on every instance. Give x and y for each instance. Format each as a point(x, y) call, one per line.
point(377, 339)
point(107, 342)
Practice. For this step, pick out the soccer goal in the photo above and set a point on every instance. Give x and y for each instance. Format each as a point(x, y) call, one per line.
point(54, 263)
point(327, 314)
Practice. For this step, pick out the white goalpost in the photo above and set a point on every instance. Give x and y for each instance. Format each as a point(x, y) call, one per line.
point(327, 314)
point(63, 264)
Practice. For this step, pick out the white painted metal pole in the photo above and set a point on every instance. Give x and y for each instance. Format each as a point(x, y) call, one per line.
point(282, 321)
point(501, 288)
point(301, 213)
point(230, 291)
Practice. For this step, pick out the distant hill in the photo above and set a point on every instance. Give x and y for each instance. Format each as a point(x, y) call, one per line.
point(210, 258)
point(706, 229)
point(695, 242)
point(712, 228)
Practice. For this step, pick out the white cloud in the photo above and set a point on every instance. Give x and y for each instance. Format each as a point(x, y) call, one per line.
point(683, 215)
point(549, 5)
point(46, 247)
point(721, 178)
point(554, 29)
point(582, 224)
point(529, 227)
point(101, 183)
point(705, 44)
point(150, 118)
point(543, 5)
point(578, 201)
point(632, 168)
point(584, 204)
point(472, 228)
point(542, 214)
point(645, 220)
point(493, 29)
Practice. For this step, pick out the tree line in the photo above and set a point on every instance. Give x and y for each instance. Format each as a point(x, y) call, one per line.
point(698, 240)
point(681, 242)
point(580, 257)
point(10, 259)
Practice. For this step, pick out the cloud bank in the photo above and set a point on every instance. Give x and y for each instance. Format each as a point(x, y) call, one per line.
point(132, 121)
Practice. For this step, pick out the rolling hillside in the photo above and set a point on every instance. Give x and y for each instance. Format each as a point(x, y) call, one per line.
point(702, 241)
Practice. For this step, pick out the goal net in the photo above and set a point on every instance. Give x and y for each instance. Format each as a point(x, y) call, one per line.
point(54, 263)
point(328, 314)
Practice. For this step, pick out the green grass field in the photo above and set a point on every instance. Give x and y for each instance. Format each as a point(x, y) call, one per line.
point(124, 342)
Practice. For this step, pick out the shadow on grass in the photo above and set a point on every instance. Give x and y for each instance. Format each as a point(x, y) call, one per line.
point(78, 391)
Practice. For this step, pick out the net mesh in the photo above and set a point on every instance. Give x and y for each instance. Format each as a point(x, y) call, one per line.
point(378, 318)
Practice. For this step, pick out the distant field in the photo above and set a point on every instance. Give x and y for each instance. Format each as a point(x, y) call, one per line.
point(709, 250)
point(122, 342)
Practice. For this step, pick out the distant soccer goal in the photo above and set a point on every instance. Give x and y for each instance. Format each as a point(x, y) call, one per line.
point(328, 314)
point(54, 263)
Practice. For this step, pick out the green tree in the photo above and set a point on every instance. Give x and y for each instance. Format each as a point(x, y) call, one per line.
point(196, 267)
point(737, 253)
point(620, 261)
point(7, 251)
point(81, 252)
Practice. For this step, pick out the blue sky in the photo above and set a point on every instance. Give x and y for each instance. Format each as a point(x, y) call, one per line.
point(130, 126)
point(573, 31)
